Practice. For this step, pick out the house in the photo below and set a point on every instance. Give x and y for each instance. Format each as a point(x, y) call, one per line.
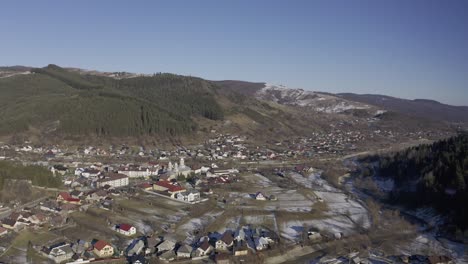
point(168, 256)
point(114, 180)
point(226, 241)
point(239, 235)
point(135, 248)
point(11, 224)
point(76, 194)
point(60, 253)
point(59, 169)
point(37, 218)
point(188, 196)
point(103, 249)
point(151, 247)
point(80, 246)
point(146, 186)
point(168, 186)
point(50, 206)
point(166, 245)
point(314, 236)
point(184, 251)
point(90, 173)
point(439, 260)
point(96, 195)
point(3, 231)
point(126, 229)
point(240, 248)
point(136, 171)
point(204, 249)
point(69, 207)
point(261, 243)
point(259, 196)
point(65, 197)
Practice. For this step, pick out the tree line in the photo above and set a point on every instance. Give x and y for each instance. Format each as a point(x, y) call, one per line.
point(431, 175)
point(38, 175)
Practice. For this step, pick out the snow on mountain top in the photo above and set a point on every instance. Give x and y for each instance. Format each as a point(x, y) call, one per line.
point(318, 101)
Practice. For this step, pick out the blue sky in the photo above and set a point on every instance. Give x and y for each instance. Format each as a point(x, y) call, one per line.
point(409, 49)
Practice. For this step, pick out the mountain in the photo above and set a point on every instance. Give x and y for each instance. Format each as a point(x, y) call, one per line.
point(71, 103)
point(419, 107)
point(53, 102)
point(55, 99)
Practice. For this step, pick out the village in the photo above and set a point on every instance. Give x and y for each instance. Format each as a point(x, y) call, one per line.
point(224, 201)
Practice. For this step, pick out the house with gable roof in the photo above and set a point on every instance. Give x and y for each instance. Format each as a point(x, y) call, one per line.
point(103, 249)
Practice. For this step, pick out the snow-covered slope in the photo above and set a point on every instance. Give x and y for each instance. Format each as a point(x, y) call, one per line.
point(319, 102)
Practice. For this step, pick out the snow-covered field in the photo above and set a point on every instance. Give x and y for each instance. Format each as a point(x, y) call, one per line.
point(289, 200)
point(428, 244)
point(312, 180)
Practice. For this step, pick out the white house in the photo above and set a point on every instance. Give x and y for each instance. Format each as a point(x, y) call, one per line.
point(225, 242)
point(114, 180)
point(137, 172)
point(90, 173)
point(60, 253)
point(126, 229)
point(204, 249)
point(261, 243)
point(260, 196)
point(189, 196)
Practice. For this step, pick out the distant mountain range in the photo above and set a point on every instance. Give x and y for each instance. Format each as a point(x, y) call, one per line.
point(419, 107)
point(75, 102)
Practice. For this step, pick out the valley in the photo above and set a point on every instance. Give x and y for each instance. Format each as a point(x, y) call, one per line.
point(128, 168)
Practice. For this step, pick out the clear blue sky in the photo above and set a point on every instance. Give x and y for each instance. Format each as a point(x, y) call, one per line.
point(409, 49)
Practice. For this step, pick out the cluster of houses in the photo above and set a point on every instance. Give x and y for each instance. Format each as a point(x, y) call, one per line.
point(241, 242)
point(79, 251)
point(26, 218)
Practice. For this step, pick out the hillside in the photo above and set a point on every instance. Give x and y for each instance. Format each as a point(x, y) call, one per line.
point(70, 103)
point(57, 100)
point(433, 175)
point(53, 102)
point(419, 107)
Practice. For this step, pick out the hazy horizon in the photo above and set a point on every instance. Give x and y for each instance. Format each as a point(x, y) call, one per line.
point(412, 50)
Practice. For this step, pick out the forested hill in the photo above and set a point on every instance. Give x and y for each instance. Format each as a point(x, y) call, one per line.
point(432, 175)
point(58, 100)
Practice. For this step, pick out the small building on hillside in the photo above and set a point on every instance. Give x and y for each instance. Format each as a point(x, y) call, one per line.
point(260, 196)
point(126, 229)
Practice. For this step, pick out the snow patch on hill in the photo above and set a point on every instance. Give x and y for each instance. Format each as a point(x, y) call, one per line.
point(298, 97)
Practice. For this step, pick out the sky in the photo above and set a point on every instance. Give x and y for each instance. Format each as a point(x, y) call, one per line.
point(408, 49)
